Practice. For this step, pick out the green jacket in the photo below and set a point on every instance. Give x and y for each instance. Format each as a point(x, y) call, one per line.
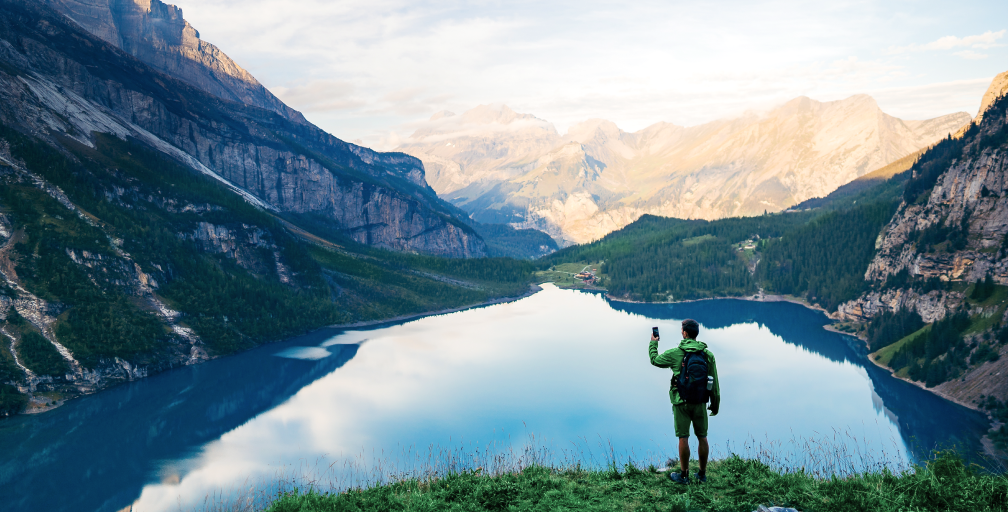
point(673, 359)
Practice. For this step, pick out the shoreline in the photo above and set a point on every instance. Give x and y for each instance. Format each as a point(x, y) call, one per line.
point(985, 441)
point(532, 290)
point(32, 408)
point(988, 445)
point(922, 386)
point(760, 297)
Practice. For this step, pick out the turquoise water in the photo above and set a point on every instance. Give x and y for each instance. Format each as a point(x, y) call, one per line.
point(564, 372)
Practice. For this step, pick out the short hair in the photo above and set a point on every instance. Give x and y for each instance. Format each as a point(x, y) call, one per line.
point(691, 327)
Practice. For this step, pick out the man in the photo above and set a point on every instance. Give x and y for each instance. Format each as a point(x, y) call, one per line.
point(684, 413)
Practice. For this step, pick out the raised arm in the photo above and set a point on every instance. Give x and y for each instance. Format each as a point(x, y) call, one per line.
point(663, 360)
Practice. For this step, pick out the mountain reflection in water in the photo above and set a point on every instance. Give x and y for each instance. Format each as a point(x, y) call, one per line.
point(97, 452)
point(566, 366)
point(926, 421)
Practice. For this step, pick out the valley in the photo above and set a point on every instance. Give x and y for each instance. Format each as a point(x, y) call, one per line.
point(197, 280)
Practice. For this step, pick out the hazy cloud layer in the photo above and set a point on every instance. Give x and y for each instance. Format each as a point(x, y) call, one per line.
point(372, 70)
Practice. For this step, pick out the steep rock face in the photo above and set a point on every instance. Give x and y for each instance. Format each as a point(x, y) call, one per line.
point(742, 166)
point(969, 201)
point(931, 306)
point(59, 80)
point(960, 193)
point(997, 88)
point(157, 34)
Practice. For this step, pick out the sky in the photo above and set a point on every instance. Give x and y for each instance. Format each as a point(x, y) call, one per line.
point(373, 71)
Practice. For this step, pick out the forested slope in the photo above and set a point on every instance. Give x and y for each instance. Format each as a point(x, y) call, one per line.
point(819, 254)
point(118, 262)
point(146, 223)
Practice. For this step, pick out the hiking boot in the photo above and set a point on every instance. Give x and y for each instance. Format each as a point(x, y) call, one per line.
point(701, 478)
point(678, 478)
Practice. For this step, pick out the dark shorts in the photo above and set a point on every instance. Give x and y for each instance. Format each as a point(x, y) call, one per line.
point(684, 414)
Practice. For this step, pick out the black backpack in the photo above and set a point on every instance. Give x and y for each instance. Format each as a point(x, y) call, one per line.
point(692, 383)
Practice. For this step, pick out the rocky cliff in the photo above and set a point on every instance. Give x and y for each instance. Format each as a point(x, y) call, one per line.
point(492, 162)
point(157, 34)
point(59, 81)
point(953, 223)
point(950, 232)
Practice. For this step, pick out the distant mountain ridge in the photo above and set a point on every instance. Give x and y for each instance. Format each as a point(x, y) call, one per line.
point(507, 167)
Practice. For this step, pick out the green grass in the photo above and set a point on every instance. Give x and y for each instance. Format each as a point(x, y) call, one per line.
point(981, 323)
point(562, 274)
point(734, 484)
point(698, 239)
point(884, 355)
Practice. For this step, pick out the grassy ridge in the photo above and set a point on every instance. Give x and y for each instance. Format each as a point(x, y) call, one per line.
point(734, 484)
point(884, 355)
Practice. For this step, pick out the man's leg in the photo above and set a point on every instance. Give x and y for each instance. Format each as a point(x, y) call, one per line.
point(703, 450)
point(682, 427)
point(699, 418)
point(684, 455)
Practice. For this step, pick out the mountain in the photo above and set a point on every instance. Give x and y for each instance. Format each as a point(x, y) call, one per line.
point(942, 260)
point(912, 258)
point(158, 35)
point(997, 89)
point(58, 80)
point(508, 167)
point(953, 222)
point(490, 143)
point(146, 223)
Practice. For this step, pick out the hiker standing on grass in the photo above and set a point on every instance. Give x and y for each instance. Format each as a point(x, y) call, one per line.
point(694, 381)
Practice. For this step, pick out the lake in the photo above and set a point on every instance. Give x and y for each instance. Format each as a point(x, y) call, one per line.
point(558, 376)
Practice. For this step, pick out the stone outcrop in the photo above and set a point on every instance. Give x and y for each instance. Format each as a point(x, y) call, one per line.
point(157, 34)
point(931, 306)
point(970, 195)
point(502, 166)
point(56, 79)
point(955, 232)
point(997, 89)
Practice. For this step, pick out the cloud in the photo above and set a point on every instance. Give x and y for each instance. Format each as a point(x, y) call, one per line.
point(494, 118)
point(971, 55)
point(984, 41)
point(363, 69)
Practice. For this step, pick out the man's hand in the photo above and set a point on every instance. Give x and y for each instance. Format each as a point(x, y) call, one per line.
point(713, 409)
point(654, 338)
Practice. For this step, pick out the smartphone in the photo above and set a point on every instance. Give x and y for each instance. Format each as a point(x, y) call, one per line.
point(654, 332)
